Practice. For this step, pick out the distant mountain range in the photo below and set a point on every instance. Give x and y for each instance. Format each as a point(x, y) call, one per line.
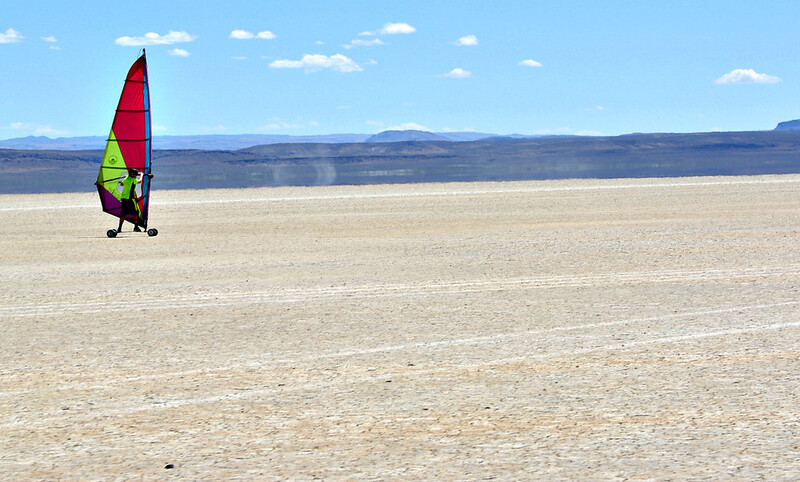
point(792, 125)
point(238, 141)
point(408, 135)
point(490, 159)
point(224, 142)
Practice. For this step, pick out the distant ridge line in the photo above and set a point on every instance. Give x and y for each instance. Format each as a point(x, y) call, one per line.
point(215, 142)
point(242, 141)
point(490, 159)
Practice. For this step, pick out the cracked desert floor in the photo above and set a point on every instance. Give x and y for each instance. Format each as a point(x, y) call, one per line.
point(615, 329)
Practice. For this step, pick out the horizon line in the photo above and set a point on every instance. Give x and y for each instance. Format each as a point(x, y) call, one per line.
point(577, 134)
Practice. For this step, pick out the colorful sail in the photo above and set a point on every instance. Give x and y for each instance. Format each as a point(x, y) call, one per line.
point(129, 147)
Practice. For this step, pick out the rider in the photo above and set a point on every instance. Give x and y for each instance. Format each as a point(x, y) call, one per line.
point(129, 204)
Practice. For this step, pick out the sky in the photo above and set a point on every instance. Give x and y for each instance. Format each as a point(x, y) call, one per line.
point(310, 67)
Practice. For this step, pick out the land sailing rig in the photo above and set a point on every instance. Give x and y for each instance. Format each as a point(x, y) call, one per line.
point(129, 147)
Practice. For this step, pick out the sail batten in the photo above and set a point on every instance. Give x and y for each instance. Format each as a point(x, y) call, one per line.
point(129, 146)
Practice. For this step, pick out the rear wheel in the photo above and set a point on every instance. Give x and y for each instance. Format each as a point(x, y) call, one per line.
point(111, 233)
point(152, 232)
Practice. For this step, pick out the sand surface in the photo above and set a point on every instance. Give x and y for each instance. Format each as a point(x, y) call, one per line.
point(621, 329)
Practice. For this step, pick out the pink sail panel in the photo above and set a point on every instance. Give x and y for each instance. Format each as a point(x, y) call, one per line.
point(131, 127)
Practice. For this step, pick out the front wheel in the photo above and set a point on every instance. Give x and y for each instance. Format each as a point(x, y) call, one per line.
point(111, 233)
point(152, 232)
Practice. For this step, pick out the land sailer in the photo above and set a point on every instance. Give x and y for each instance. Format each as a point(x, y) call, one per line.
point(123, 182)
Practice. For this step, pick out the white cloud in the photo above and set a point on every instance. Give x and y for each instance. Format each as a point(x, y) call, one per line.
point(239, 57)
point(35, 129)
point(51, 40)
point(241, 34)
point(151, 38)
point(317, 62)
point(11, 36)
point(397, 28)
point(363, 43)
point(457, 73)
point(530, 63)
point(408, 126)
point(566, 131)
point(746, 76)
point(392, 29)
point(179, 53)
point(245, 35)
point(467, 41)
point(278, 124)
point(558, 131)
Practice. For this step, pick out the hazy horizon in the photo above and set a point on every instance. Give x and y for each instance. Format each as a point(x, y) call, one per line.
point(368, 134)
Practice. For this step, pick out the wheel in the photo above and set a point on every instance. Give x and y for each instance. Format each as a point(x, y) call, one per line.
point(152, 232)
point(111, 233)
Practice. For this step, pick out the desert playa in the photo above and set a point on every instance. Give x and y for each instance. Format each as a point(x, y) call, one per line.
point(595, 329)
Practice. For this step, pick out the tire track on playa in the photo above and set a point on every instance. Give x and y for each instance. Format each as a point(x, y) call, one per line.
point(116, 407)
point(261, 361)
point(423, 193)
point(210, 299)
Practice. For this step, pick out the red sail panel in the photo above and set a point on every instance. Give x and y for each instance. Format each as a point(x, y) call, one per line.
point(130, 124)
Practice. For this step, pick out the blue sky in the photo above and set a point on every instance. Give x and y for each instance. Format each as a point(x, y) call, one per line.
point(323, 67)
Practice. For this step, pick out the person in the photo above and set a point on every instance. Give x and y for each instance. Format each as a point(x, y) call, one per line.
point(129, 204)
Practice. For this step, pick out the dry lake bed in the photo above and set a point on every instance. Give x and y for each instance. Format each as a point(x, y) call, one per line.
point(614, 329)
